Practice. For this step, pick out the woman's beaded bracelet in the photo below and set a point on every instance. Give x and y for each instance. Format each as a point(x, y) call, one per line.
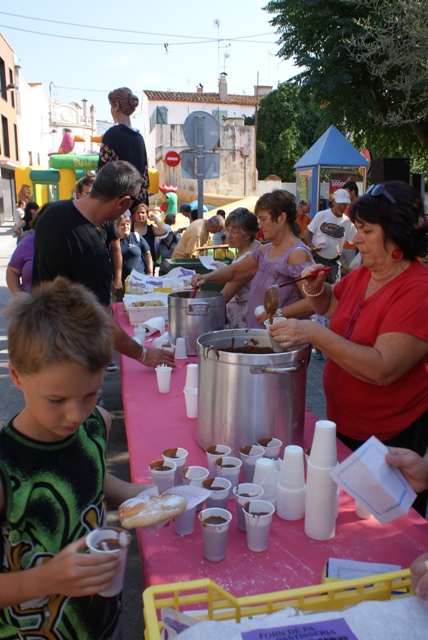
point(312, 295)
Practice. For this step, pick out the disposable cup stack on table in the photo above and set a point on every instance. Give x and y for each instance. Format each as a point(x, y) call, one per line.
point(213, 452)
point(163, 375)
point(220, 489)
point(178, 455)
point(265, 477)
point(272, 447)
point(249, 454)
point(258, 519)
point(162, 474)
point(229, 467)
point(191, 376)
point(180, 348)
point(191, 399)
point(291, 486)
point(245, 492)
point(321, 490)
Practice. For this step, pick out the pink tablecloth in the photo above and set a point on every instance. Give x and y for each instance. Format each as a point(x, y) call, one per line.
point(157, 421)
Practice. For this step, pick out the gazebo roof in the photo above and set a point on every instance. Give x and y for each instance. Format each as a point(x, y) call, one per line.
point(332, 149)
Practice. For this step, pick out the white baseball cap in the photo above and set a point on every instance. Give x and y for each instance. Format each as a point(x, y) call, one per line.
point(341, 196)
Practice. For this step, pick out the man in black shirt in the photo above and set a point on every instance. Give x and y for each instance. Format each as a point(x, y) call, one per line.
point(71, 242)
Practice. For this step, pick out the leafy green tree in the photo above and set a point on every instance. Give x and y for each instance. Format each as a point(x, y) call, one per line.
point(287, 125)
point(394, 47)
point(363, 74)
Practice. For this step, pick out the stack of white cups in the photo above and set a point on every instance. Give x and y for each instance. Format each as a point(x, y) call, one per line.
point(321, 490)
point(191, 391)
point(264, 476)
point(291, 486)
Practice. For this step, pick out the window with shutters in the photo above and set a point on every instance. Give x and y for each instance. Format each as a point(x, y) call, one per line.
point(159, 116)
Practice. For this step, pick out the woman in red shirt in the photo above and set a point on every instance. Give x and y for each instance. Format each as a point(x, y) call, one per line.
point(376, 376)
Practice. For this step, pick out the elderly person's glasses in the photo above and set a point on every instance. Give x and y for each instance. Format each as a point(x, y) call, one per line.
point(380, 190)
point(234, 231)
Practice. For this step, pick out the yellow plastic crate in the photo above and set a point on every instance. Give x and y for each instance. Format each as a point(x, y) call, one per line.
point(216, 603)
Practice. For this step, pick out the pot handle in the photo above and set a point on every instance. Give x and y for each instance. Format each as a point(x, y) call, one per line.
point(292, 368)
point(198, 309)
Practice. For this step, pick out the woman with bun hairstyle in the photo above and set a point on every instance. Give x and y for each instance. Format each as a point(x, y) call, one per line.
point(122, 142)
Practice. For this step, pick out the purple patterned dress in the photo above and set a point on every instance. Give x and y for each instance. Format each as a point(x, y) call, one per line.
point(275, 271)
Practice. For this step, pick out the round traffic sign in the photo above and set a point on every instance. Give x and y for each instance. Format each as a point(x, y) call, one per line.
point(201, 129)
point(172, 158)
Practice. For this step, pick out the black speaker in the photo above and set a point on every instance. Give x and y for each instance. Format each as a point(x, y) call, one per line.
point(383, 169)
point(417, 180)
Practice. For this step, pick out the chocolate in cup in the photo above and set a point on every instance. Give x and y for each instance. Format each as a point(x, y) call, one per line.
point(159, 465)
point(111, 540)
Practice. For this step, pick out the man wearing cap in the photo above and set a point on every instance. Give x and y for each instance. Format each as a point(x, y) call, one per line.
point(331, 229)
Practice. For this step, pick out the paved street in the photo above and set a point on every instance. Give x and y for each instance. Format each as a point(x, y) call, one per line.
point(11, 403)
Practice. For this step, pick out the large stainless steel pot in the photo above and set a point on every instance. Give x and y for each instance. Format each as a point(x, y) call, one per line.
point(190, 317)
point(247, 396)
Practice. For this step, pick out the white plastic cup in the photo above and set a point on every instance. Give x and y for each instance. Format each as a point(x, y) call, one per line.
point(192, 376)
point(194, 475)
point(245, 492)
point(229, 467)
point(139, 335)
point(191, 399)
point(257, 525)
point(290, 505)
point(275, 345)
point(324, 446)
point(249, 456)
point(180, 348)
point(178, 455)
point(213, 452)
point(215, 533)
point(292, 474)
point(162, 474)
point(184, 523)
point(166, 346)
point(163, 375)
point(272, 446)
point(265, 476)
point(220, 488)
point(362, 511)
point(94, 541)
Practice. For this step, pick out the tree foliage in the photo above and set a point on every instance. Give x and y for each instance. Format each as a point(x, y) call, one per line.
point(365, 63)
point(287, 125)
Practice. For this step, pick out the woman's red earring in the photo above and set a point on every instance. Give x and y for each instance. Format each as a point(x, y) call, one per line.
point(397, 254)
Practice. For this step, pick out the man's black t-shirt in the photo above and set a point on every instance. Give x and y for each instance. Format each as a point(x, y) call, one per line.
point(67, 244)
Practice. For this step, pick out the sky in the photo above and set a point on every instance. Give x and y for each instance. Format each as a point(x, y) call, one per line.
point(161, 45)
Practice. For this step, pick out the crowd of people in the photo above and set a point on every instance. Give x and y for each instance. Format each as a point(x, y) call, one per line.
point(72, 255)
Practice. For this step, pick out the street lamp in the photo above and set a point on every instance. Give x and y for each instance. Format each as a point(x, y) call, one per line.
point(11, 86)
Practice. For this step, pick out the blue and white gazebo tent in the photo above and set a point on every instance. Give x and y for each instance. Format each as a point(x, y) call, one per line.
point(326, 166)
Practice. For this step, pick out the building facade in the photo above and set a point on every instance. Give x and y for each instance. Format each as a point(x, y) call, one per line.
point(9, 141)
point(163, 117)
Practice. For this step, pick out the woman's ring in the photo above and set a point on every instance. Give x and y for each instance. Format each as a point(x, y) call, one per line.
point(284, 338)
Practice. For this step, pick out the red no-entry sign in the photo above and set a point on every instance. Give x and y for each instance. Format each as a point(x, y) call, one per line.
point(172, 158)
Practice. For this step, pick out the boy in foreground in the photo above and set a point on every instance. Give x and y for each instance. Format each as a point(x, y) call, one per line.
point(54, 488)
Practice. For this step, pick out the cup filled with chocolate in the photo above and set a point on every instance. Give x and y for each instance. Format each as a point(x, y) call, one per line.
point(215, 527)
point(110, 540)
